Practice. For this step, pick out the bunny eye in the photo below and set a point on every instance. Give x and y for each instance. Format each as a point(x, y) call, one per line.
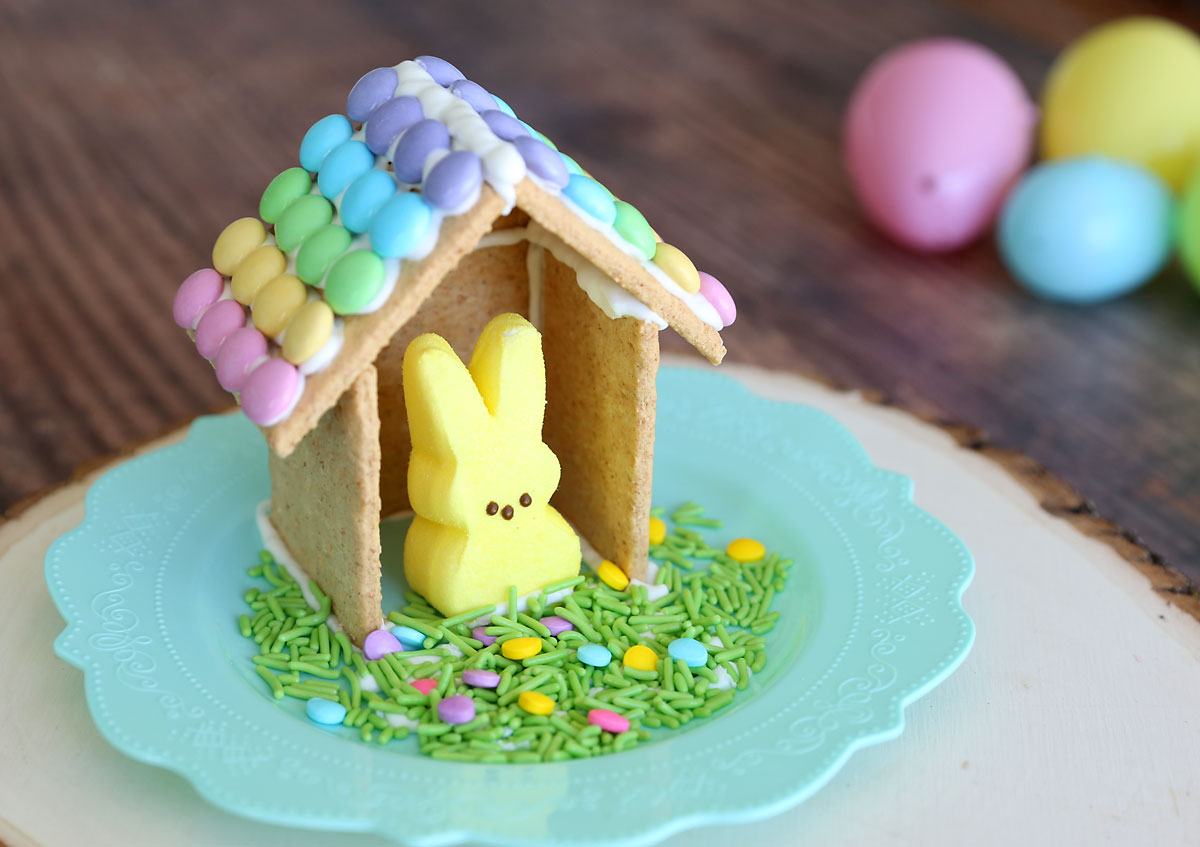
point(526, 500)
point(507, 513)
point(493, 507)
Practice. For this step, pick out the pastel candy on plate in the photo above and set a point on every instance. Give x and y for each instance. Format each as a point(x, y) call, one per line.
point(505, 126)
point(716, 294)
point(321, 138)
point(242, 349)
point(591, 197)
point(479, 633)
point(344, 164)
point(284, 190)
point(608, 721)
point(364, 197)
point(458, 709)
point(414, 147)
point(256, 270)
point(542, 162)
point(200, 290)
point(236, 242)
point(454, 182)
point(675, 264)
point(373, 87)
point(474, 93)
point(424, 685)
point(690, 651)
point(409, 637)
point(479, 678)
point(596, 655)
point(221, 320)
point(270, 392)
point(325, 712)
point(556, 625)
point(443, 72)
point(746, 550)
point(276, 302)
point(640, 657)
point(390, 119)
point(379, 643)
point(400, 225)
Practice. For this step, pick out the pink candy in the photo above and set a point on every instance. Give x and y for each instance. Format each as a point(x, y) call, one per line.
point(424, 685)
point(240, 350)
point(608, 721)
point(221, 320)
point(379, 643)
point(716, 293)
point(195, 294)
point(269, 394)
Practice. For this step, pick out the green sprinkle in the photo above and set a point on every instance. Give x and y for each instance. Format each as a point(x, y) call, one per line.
point(276, 688)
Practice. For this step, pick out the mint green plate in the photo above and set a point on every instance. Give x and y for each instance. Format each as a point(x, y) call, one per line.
point(150, 582)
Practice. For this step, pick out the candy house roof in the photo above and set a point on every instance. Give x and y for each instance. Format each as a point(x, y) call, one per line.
point(388, 197)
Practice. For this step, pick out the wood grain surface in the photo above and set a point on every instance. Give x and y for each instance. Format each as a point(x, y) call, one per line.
point(130, 133)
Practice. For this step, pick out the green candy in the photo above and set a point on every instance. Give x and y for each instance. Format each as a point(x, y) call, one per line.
point(304, 216)
point(354, 282)
point(319, 250)
point(631, 225)
point(284, 189)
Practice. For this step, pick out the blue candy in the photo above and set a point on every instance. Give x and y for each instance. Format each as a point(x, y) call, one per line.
point(372, 89)
point(364, 197)
point(454, 180)
point(504, 107)
point(572, 165)
point(325, 712)
point(443, 72)
point(414, 147)
point(322, 137)
point(692, 652)
point(591, 197)
point(409, 637)
point(399, 225)
point(344, 164)
point(595, 655)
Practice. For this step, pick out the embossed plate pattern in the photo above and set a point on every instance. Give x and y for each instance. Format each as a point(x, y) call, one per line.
point(872, 619)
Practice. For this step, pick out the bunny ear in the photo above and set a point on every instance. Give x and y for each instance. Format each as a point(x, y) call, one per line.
point(508, 368)
point(445, 412)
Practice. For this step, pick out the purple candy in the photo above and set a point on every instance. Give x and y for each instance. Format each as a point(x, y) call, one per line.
point(480, 635)
point(379, 643)
point(505, 126)
point(556, 624)
point(443, 72)
point(542, 161)
point(480, 678)
point(418, 141)
point(474, 93)
point(454, 180)
point(457, 709)
point(372, 89)
point(390, 119)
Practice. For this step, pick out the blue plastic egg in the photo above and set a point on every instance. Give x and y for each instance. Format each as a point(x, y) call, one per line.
point(1085, 230)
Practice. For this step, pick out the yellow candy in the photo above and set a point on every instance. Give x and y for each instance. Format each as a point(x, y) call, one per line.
point(640, 658)
point(612, 575)
point(745, 550)
point(658, 531)
point(677, 266)
point(255, 271)
point(235, 243)
point(276, 302)
point(480, 478)
point(521, 648)
point(308, 331)
point(535, 703)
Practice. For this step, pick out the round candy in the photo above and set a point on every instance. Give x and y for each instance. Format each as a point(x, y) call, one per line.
point(716, 294)
point(691, 651)
point(542, 161)
point(1131, 90)
point(457, 709)
point(276, 302)
point(443, 72)
point(319, 251)
point(364, 197)
point(596, 655)
point(482, 637)
point(477, 678)
point(641, 658)
point(454, 181)
point(379, 643)
point(677, 266)
point(521, 648)
point(221, 320)
point(270, 392)
point(505, 126)
point(236, 242)
point(196, 293)
point(591, 197)
point(535, 703)
point(658, 531)
point(409, 637)
point(424, 685)
point(344, 164)
point(1086, 230)
point(612, 575)
point(353, 282)
point(373, 87)
point(608, 721)
point(284, 190)
point(241, 349)
point(322, 137)
point(631, 225)
point(474, 93)
point(556, 624)
point(325, 712)
point(572, 165)
point(255, 271)
point(414, 147)
point(391, 119)
point(745, 550)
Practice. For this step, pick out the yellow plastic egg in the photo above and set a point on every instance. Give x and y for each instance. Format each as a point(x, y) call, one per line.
point(745, 550)
point(1131, 90)
point(307, 331)
point(658, 531)
point(235, 243)
point(677, 266)
point(521, 648)
point(255, 271)
point(276, 302)
point(612, 576)
point(640, 658)
point(535, 703)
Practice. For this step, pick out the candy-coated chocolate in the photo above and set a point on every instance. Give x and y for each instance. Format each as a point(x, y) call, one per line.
point(221, 320)
point(641, 658)
point(535, 703)
point(325, 712)
point(322, 137)
point(555, 624)
point(572, 165)
point(389, 120)
point(344, 164)
point(308, 331)
point(414, 147)
point(379, 643)
point(504, 107)
point(479, 678)
point(353, 282)
point(400, 225)
point(284, 190)
point(276, 303)
point(303, 217)
point(505, 126)
point(631, 225)
point(612, 575)
point(675, 264)
point(256, 270)
point(424, 685)
point(716, 293)
point(456, 709)
point(658, 531)
point(596, 655)
point(521, 648)
point(474, 93)
point(200, 290)
point(443, 72)
point(364, 197)
point(608, 721)
point(592, 197)
point(692, 652)
point(320, 250)
point(540, 136)
point(243, 348)
point(745, 550)
point(235, 243)
point(454, 181)
point(542, 161)
point(270, 391)
point(373, 87)
point(479, 633)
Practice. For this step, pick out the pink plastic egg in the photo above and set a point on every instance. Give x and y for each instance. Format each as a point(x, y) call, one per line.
point(241, 350)
point(270, 392)
point(196, 293)
point(221, 320)
point(936, 132)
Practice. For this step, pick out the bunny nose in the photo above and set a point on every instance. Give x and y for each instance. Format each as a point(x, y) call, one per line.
point(507, 513)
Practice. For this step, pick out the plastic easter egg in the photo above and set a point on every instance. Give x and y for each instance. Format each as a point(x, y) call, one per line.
point(936, 133)
point(1085, 230)
point(1129, 89)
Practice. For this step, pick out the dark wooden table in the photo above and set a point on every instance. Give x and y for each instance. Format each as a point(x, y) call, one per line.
point(130, 133)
